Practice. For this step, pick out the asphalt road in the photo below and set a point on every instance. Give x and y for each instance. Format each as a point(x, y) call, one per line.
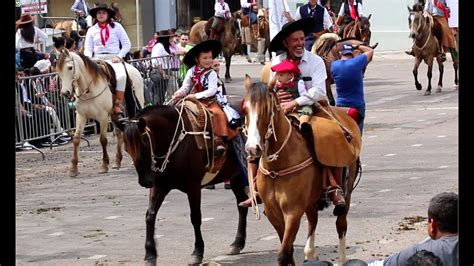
point(409, 154)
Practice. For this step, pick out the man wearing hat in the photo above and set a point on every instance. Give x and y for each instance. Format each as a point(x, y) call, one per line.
point(27, 35)
point(348, 74)
point(103, 41)
point(81, 9)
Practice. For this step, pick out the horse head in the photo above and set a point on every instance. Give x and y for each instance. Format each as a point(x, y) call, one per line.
point(415, 23)
point(260, 103)
point(364, 27)
point(68, 72)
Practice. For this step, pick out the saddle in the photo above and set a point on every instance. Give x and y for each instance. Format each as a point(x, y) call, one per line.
point(336, 136)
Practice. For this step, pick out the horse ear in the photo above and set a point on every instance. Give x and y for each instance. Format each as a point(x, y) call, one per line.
point(370, 15)
point(65, 52)
point(141, 125)
point(409, 9)
point(247, 82)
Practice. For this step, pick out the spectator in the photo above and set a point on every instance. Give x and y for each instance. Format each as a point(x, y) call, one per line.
point(26, 36)
point(59, 44)
point(442, 229)
point(81, 9)
point(149, 46)
point(71, 44)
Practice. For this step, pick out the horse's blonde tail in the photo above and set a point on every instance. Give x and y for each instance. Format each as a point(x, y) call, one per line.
point(321, 40)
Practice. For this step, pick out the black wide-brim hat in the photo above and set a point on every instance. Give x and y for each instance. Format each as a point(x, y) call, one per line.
point(305, 24)
point(93, 11)
point(205, 46)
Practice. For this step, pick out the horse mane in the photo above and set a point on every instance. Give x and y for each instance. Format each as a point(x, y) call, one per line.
point(258, 96)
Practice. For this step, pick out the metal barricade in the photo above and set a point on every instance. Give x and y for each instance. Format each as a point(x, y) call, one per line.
point(160, 76)
point(43, 117)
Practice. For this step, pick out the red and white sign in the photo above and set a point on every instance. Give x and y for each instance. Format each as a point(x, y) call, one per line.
point(34, 6)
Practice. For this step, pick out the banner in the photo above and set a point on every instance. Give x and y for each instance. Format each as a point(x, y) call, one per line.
point(34, 6)
point(277, 19)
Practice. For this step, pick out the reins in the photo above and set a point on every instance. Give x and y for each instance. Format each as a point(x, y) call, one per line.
point(422, 26)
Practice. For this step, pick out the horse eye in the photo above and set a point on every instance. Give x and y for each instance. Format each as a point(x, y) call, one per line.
point(69, 68)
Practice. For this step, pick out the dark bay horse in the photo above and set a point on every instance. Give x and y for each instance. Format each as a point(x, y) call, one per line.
point(423, 31)
point(289, 180)
point(359, 30)
point(228, 38)
point(159, 154)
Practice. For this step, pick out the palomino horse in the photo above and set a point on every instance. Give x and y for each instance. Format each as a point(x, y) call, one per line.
point(228, 38)
point(359, 30)
point(88, 83)
point(159, 154)
point(425, 47)
point(289, 181)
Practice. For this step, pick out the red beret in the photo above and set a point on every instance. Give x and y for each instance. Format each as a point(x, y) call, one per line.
point(286, 66)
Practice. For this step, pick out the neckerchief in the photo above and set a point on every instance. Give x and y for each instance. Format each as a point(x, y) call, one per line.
point(196, 79)
point(352, 10)
point(104, 33)
point(289, 84)
point(443, 8)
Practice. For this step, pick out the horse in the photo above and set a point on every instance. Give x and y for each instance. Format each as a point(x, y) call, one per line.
point(88, 82)
point(426, 47)
point(228, 38)
point(159, 154)
point(359, 30)
point(289, 180)
point(264, 33)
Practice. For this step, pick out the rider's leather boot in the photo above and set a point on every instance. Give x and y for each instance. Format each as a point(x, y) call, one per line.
point(220, 145)
point(253, 167)
point(118, 102)
point(410, 52)
point(336, 194)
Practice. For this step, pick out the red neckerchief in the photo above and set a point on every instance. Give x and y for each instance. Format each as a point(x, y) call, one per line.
point(297, 61)
point(104, 32)
point(289, 84)
point(352, 9)
point(196, 79)
point(443, 8)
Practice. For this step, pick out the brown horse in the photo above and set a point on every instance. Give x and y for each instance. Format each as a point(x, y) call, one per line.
point(289, 181)
point(425, 47)
point(359, 30)
point(228, 38)
point(264, 33)
point(160, 141)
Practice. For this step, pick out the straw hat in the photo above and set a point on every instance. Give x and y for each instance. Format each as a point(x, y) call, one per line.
point(25, 18)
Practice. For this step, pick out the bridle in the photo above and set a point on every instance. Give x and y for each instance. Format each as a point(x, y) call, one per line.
point(75, 86)
point(421, 26)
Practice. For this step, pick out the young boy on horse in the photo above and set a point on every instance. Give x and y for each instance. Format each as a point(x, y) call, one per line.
point(221, 15)
point(201, 83)
point(351, 10)
point(108, 40)
point(290, 41)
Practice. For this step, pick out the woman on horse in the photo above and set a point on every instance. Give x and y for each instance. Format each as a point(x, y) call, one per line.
point(26, 36)
point(351, 10)
point(108, 40)
point(201, 83)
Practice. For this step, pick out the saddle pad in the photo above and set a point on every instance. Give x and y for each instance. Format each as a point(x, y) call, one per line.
point(195, 113)
point(332, 146)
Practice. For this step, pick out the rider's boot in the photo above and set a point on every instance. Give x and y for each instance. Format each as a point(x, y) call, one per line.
point(220, 145)
point(410, 52)
point(249, 47)
point(336, 194)
point(118, 103)
point(253, 167)
point(441, 54)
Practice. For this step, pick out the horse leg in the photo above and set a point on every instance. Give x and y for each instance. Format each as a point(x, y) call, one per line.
point(104, 168)
point(118, 153)
point(455, 57)
point(292, 223)
point(239, 192)
point(441, 72)
point(227, 68)
point(341, 221)
point(312, 215)
point(80, 123)
point(430, 75)
point(156, 197)
point(194, 199)
point(415, 72)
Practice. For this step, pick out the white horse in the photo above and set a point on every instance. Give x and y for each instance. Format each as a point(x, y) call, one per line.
point(88, 83)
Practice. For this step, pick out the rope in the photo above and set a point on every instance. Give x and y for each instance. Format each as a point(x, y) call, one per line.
point(252, 193)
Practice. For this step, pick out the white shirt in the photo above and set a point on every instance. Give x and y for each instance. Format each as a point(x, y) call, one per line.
point(311, 66)
point(277, 19)
point(93, 43)
point(159, 50)
point(245, 4)
point(209, 90)
point(80, 6)
point(359, 10)
point(221, 11)
point(327, 23)
point(22, 43)
point(304, 98)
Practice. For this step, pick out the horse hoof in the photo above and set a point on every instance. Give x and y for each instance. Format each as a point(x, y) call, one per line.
point(195, 260)
point(116, 166)
point(427, 93)
point(234, 250)
point(228, 80)
point(418, 87)
point(438, 90)
point(150, 262)
point(103, 170)
point(73, 173)
point(456, 87)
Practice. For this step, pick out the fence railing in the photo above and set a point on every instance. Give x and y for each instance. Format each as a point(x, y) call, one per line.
point(44, 118)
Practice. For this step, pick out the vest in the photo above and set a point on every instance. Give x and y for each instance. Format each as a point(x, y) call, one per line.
point(293, 90)
point(318, 15)
point(347, 11)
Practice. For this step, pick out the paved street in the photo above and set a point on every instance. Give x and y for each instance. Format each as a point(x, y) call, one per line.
point(409, 154)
